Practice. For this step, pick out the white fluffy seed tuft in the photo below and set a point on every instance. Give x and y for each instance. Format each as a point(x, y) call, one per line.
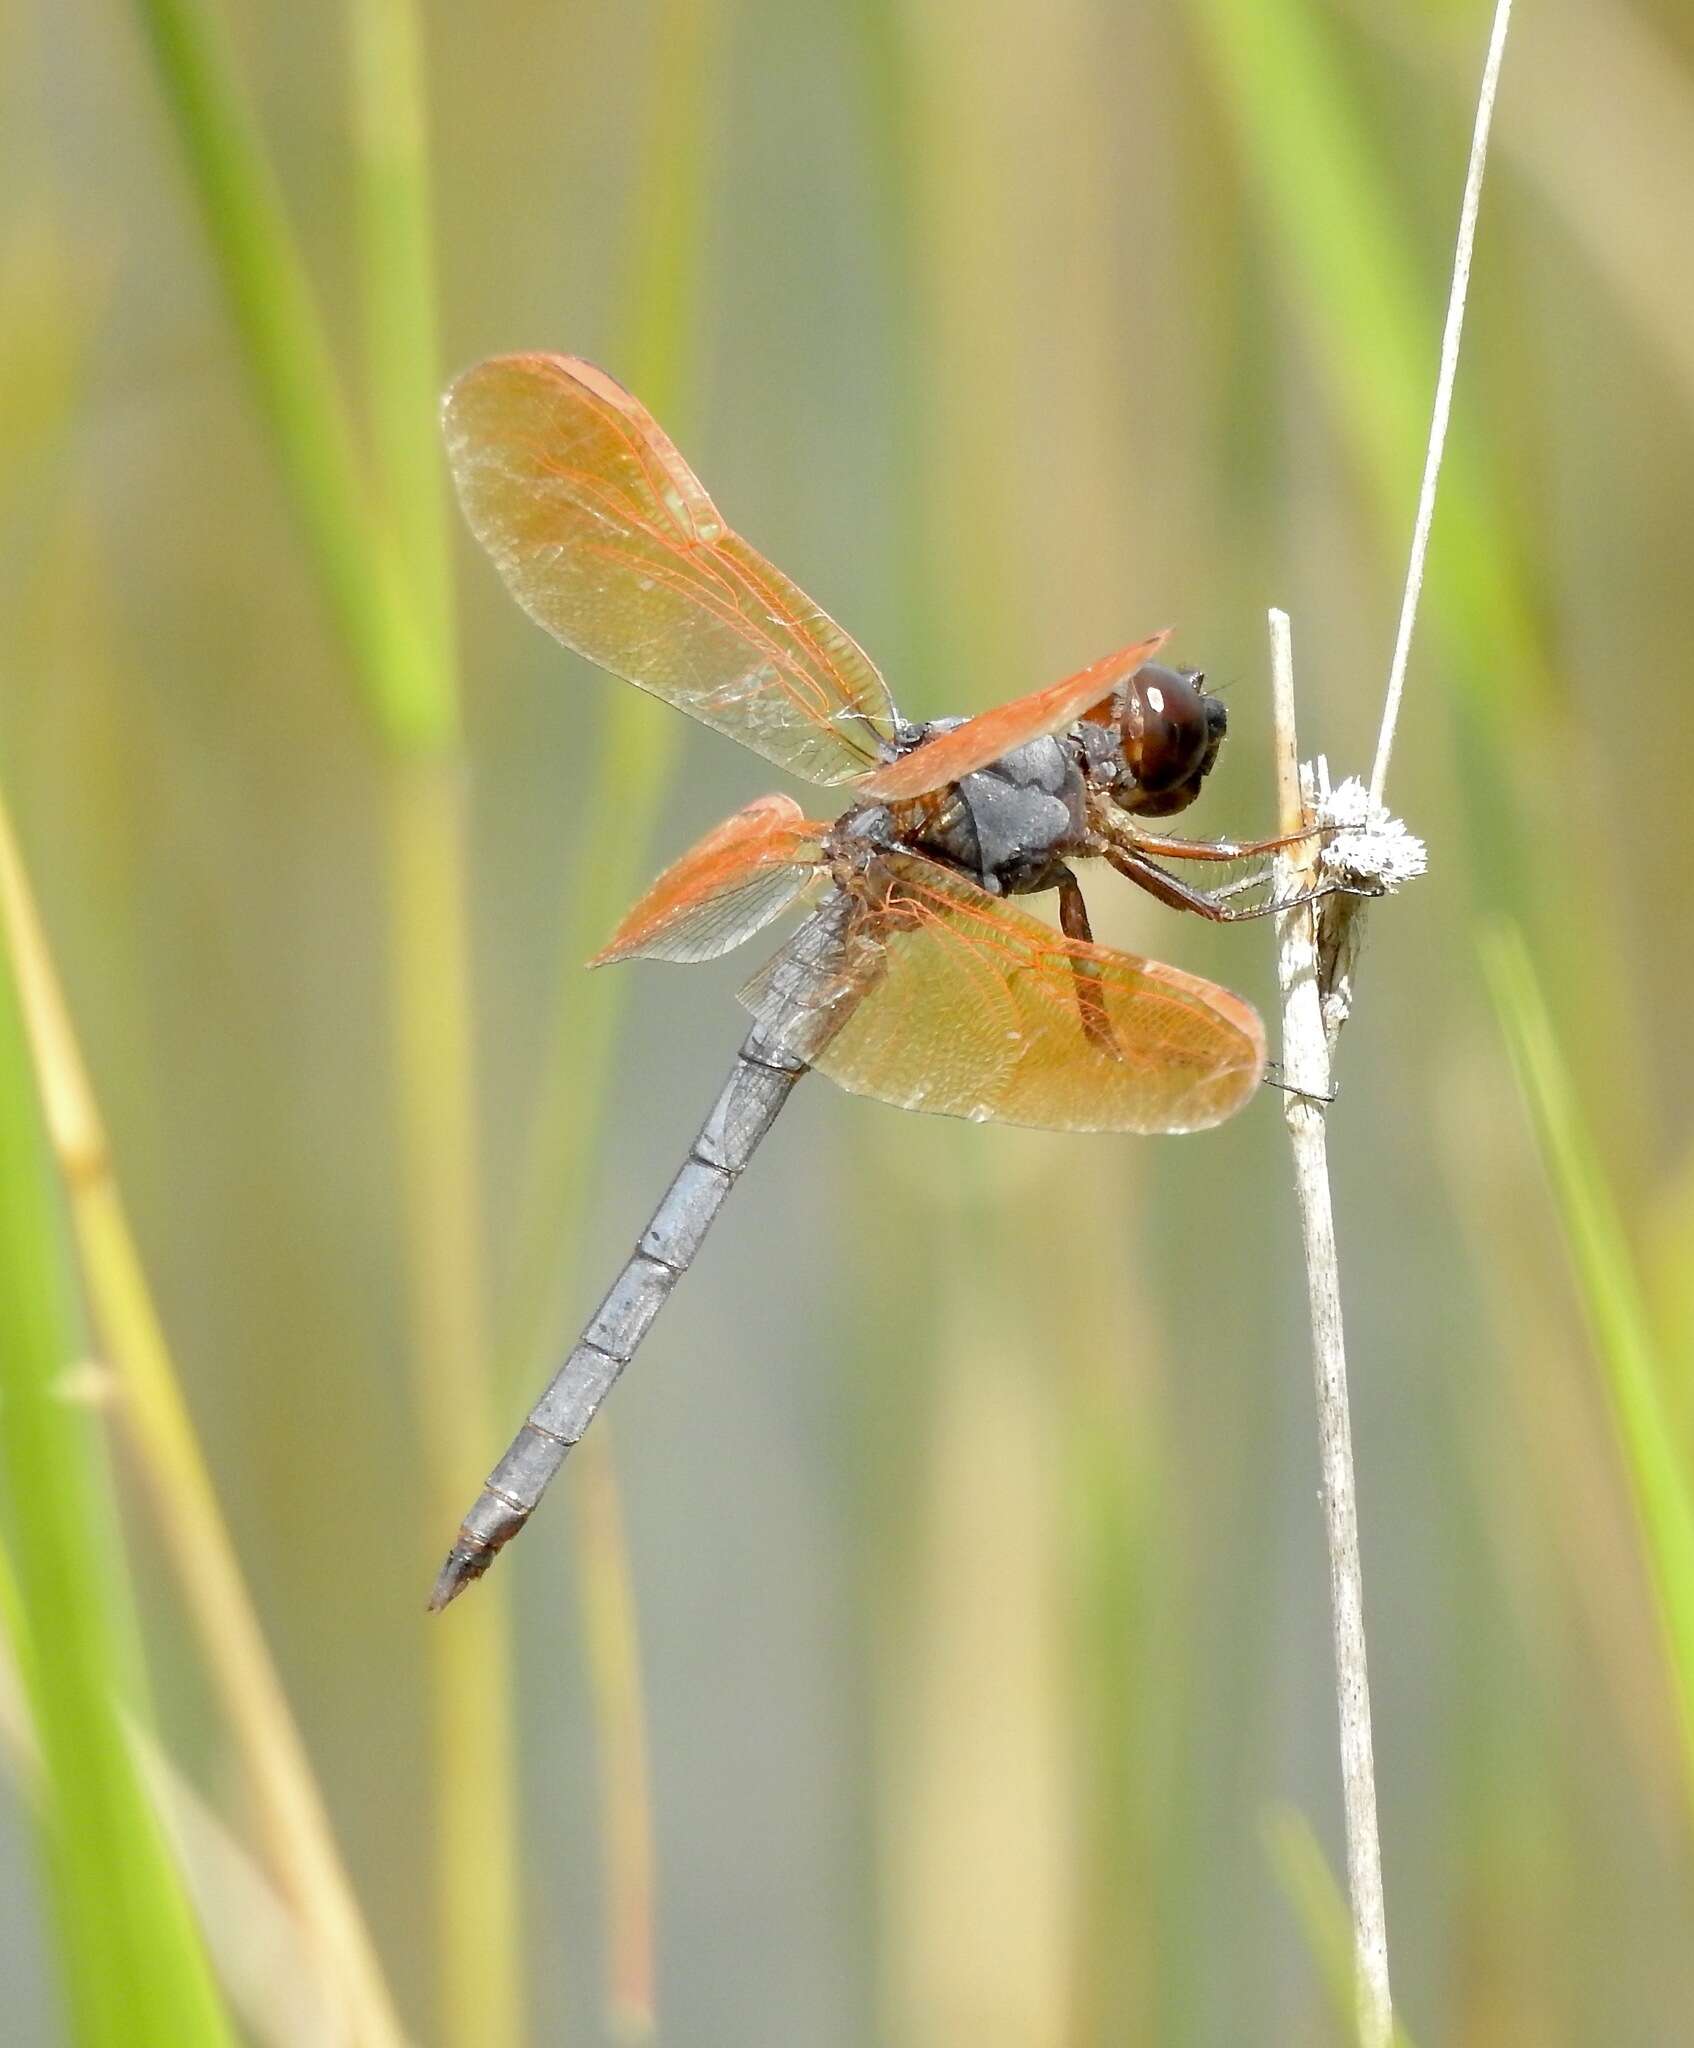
point(1372, 849)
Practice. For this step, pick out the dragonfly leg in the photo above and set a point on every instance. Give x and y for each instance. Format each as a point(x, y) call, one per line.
point(1169, 846)
point(1085, 974)
point(1272, 1077)
point(1147, 874)
point(1119, 828)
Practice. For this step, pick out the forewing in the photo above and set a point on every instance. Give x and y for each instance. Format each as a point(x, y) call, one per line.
point(974, 1012)
point(605, 537)
point(734, 881)
point(951, 755)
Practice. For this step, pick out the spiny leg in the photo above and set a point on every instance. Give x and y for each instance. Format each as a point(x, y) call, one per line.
point(1085, 974)
point(1240, 885)
point(1265, 878)
point(1170, 847)
point(1180, 895)
point(1120, 828)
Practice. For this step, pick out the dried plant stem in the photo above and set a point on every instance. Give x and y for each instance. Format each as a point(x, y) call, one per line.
point(1306, 1068)
point(640, 746)
point(376, 538)
point(298, 1838)
point(626, 1808)
point(479, 1970)
point(477, 1894)
point(1450, 339)
point(1308, 1039)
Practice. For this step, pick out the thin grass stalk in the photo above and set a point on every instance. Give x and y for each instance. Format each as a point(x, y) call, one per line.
point(402, 345)
point(1348, 241)
point(902, 1318)
point(270, 299)
point(476, 1892)
point(132, 1961)
point(961, 1838)
point(639, 748)
point(1638, 1384)
point(1451, 338)
point(1307, 1072)
point(260, 1950)
point(1311, 1890)
point(479, 1938)
point(1112, 1488)
point(976, 1804)
point(893, 84)
point(1343, 234)
point(386, 590)
point(1623, 206)
point(256, 1944)
point(1309, 1036)
point(640, 741)
point(299, 1842)
point(613, 1650)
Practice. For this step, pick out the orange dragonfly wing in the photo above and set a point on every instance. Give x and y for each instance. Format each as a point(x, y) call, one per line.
point(605, 536)
point(950, 755)
point(969, 1007)
point(725, 888)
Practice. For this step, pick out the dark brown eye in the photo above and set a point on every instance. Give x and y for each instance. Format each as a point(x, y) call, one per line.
point(1171, 734)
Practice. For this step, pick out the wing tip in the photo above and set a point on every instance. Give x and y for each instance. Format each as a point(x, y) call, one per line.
point(1233, 1086)
point(578, 369)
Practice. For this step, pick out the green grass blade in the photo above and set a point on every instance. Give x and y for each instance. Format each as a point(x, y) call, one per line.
point(133, 1965)
point(1635, 1377)
point(287, 1807)
point(641, 741)
point(431, 1035)
point(1374, 324)
point(478, 1897)
point(288, 358)
point(402, 346)
point(384, 563)
point(640, 745)
point(1310, 1887)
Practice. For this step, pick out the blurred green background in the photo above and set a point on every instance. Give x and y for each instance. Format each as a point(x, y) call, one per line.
point(933, 1648)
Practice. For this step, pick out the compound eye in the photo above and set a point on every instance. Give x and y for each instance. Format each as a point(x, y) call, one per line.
point(1171, 728)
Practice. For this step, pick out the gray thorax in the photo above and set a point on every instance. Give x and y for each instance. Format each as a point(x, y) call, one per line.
point(1014, 819)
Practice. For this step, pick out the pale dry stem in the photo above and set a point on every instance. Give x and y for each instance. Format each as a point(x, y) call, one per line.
point(1314, 968)
point(1306, 1066)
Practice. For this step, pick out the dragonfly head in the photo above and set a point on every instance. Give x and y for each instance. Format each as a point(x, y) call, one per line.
point(1171, 732)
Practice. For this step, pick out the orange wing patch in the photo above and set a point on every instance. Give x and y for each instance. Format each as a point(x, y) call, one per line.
point(971, 1008)
point(725, 888)
point(606, 537)
point(990, 734)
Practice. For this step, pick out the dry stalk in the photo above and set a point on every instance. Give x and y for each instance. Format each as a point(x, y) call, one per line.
point(1306, 1047)
point(1315, 958)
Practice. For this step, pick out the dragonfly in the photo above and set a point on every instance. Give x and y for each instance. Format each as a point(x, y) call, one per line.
point(914, 977)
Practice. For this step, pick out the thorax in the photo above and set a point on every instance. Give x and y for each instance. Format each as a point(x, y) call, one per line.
point(1008, 824)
